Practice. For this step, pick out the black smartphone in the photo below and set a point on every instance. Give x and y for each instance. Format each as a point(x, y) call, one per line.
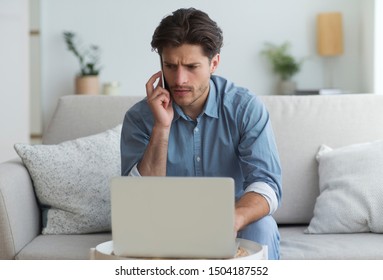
point(164, 83)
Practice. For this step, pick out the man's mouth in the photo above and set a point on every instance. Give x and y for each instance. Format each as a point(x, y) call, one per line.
point(181, 91)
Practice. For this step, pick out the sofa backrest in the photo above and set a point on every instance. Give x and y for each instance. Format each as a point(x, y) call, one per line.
point(301, 124)
point(83, 115)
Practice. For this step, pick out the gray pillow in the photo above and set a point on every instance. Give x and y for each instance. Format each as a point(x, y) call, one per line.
point(351, 189)
point(71, 181)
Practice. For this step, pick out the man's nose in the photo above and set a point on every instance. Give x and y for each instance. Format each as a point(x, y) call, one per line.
point(181, 76)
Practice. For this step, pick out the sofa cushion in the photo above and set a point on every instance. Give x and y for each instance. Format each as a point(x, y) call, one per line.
point(71, 181)
point(351, 189)
point(296, 245)
point(62, 247)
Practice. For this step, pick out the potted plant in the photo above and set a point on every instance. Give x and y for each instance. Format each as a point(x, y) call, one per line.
point(87, 81)
point(284, 65)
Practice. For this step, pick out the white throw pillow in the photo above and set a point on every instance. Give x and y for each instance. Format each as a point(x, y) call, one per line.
point(71, 181)
point(351, 189)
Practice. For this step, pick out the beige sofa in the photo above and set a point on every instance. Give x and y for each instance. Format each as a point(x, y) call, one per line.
point(301, 124)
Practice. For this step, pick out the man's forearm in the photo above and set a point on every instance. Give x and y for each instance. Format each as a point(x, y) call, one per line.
point(153, 163)
point(249, 208)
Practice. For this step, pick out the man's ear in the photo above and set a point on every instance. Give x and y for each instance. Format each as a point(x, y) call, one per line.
point(214, 63)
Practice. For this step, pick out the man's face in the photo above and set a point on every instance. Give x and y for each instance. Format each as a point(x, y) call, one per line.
point(187, 71)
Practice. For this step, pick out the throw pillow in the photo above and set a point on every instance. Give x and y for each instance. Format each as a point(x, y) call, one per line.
point(71, 181)
point(351, 189)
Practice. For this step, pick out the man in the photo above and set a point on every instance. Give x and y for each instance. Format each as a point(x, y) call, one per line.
point(204, 125)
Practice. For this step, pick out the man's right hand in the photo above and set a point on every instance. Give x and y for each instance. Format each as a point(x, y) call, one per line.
point(153, 162)
point(159, 101)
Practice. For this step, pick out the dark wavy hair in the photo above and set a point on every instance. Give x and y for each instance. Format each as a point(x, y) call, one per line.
point(188, 26)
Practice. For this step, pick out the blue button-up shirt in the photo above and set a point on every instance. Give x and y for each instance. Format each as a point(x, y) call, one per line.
point(232, 137)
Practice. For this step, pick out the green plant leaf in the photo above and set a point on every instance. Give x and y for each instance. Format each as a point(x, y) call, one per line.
point(88, 58)
point(283, 63)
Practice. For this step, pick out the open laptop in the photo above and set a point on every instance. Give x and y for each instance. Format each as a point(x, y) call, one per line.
point(173, 217)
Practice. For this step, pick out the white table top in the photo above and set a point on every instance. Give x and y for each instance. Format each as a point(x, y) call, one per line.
point(255, 251)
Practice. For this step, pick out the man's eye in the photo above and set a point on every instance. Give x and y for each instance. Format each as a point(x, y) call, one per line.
point(191, 67)
point(169, 66)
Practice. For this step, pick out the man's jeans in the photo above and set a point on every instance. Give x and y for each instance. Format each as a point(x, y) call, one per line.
point(265, 232)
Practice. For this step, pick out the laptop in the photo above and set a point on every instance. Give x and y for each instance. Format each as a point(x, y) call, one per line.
point(173, 217)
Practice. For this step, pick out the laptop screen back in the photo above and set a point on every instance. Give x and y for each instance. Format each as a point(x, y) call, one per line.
point(173, 217)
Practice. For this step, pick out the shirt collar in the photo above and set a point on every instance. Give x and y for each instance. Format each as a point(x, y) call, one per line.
point(210, 109)
point(211, 105)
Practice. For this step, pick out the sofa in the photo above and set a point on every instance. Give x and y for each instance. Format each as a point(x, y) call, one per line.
point(313, 224)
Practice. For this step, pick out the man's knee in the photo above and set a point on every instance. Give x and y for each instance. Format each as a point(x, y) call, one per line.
point(263, 227)
point(264, 231)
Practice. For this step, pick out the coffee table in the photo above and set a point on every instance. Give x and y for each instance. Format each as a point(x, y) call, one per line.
point(255, 251)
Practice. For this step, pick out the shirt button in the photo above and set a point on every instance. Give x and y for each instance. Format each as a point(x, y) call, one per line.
point(198, 159)
point(196, 130)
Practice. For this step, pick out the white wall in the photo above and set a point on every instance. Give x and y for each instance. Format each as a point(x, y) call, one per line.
point(14, 94)
point(378, 47)
point(367, 46)
point(35, 72)
point(123, 30)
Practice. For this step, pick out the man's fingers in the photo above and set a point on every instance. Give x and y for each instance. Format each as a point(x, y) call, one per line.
point(150, 84)
point(159, 96)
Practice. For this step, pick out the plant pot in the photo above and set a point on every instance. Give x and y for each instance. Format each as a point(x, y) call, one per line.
point(87, 85)
point(287, 87)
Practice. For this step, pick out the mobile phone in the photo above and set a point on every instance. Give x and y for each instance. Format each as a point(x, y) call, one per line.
point(164, 83)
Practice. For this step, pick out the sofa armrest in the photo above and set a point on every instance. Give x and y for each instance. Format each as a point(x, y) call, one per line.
point(19, 211)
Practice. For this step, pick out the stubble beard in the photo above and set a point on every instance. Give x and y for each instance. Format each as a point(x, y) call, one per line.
point(201, 91)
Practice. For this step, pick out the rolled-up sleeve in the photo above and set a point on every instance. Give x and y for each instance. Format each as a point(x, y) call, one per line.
point(135, 137)
point(258, 154)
